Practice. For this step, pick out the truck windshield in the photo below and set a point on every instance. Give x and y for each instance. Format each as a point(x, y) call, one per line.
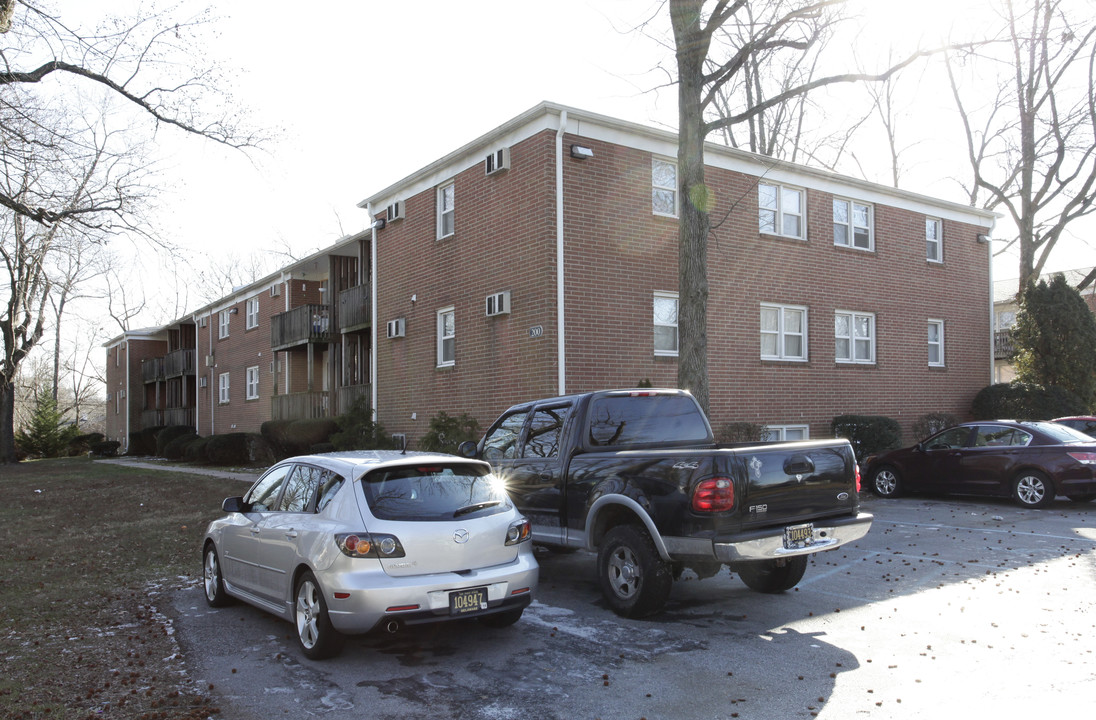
point(641, 419)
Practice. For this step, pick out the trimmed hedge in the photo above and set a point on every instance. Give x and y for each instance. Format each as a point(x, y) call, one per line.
point(195, 450)
point(297, 437)
point(143, 442)
point(107, 448)
point(175, 449)
point(169, 434)
point(739, 432)
point(932, 423)
point(869, 434)
point(1023, 401)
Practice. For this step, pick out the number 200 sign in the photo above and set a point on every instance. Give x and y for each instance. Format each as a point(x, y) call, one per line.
point(536, 331)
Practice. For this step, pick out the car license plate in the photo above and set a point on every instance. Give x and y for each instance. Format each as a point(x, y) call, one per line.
point(798, 536)
point(467, 601)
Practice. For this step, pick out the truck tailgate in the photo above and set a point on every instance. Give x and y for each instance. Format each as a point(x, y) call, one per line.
point(793, 482)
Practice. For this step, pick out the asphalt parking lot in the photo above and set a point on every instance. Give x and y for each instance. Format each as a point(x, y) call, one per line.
point(947, 608)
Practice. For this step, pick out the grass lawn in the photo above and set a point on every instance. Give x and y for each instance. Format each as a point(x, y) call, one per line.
point(89, 553)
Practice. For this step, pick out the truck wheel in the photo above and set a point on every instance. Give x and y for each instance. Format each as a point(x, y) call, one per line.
point(634, 580)
point(768, 576)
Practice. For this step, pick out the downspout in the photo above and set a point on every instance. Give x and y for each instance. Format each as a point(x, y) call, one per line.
point(197, 375)
point(561, 345)
point(373, 390)
point(212, 403)
point(992, 313)
point(125, 341)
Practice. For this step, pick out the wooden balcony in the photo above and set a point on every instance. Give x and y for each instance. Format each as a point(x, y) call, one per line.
point(152, 370)
point(355, 308)
point(347, 395)
point(1003, 346)
point(179, 362)
point(152, 418)
point(178, 416)
point(305, 324)
point(299, 406)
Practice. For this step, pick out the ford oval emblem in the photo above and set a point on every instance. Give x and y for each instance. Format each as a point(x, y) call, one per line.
point(843, 496)
point(460, 536)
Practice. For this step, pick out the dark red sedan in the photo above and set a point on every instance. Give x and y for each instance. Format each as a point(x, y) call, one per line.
point(1032, 462)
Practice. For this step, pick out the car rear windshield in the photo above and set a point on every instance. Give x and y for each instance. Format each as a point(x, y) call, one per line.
point(434, 492)
point(1061, 433)
point(646, 419)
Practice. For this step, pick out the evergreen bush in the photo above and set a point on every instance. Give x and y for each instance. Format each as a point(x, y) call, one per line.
point(169, 434)
point(105, 448)
point(932, 423)
point(175, 449)
point(739, 432)
point(358, 431)
point(1024, 401)
point(47, 434)
point(869, 434)
point(447, 432)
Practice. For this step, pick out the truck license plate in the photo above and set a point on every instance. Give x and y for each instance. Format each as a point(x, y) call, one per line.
point(467, 601)
point(798, 536)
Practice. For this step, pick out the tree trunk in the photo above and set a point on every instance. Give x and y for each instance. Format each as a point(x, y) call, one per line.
point(7, 422)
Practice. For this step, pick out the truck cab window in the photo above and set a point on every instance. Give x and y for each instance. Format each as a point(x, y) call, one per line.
point(544, 430)
point(502, 442)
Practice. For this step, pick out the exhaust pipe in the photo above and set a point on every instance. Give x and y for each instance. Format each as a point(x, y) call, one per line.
point(392, 626)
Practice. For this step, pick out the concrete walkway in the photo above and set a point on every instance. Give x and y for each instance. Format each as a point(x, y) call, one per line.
point(150, 463)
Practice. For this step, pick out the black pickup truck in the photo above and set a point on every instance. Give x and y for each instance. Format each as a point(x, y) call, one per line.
point(637, 476)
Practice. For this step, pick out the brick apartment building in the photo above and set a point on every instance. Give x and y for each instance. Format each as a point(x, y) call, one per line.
point(828, 294)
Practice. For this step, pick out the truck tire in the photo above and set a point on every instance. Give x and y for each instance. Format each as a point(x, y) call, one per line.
point(767, 576)
point(634, 579)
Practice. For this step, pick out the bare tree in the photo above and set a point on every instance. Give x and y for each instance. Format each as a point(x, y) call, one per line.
point(701, 76)
point(1032, 149)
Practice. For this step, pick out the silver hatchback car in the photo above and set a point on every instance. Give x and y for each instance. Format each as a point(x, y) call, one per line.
point(344, 543)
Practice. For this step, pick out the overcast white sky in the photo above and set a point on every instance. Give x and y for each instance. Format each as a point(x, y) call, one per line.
point(367, 92)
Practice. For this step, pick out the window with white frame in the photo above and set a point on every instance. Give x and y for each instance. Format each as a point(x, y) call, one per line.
point(446, 202)
point(252, 388)
point(447, 333)
point(252, 321)
point(936, 343)
point(785, 433)
point(854, 337)
point(783, 332)
point(222, 388)
point(222, 324)
point(934, 240)
point(663, 187)
point(665, 323)
point(780, 210)
point(852, 224)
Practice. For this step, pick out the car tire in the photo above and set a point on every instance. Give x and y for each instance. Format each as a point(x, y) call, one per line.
point(1081, 498)
point(886, 482)
point(1032, 489)
point(316, 636)
point(770, 577)
point(501, 619)
point(635, 581)
point(212, 579)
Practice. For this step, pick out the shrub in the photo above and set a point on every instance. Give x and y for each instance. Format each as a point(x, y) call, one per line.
point(169, 434)
point(106, 448)
point(228, 449)
point(143, 442)
point(276, 433)
point(358, 431)
point(932, 423)
point(81, 444)
point(46, 434)
point(739, 432)
point(195, 450)
point(175, 449)
point(1023, 401)
point(869, 434)
point(284, 438)
point(447, 432)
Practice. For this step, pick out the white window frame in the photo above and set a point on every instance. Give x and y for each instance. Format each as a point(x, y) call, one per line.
point(938, 344)
point(851, 226)
point(657, 323)
point(252, 317)
point(779, 212)
point(779, 433)
point(853, 339)
point(934, 226)
point(223, 387)
point(252, 383)
point(781, 333)
point(662, 191)
point(447, 200)
point(447, 339)
point(222, 324)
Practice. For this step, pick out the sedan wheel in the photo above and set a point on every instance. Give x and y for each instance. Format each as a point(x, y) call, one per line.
point(317, 638)
point(212, 580)
point(885, 482)
point(1032, 489)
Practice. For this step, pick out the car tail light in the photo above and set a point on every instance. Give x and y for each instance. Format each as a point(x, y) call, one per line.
point(1085, 458)
point(713, 495)
point(518, 532)
point(857, 477)
point(367, 545)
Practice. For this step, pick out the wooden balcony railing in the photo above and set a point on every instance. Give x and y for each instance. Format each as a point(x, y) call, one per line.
point(178, 416)
point(179, 362)
point(152, 418)
point(152, 370)
point(346, 396)
point(299, 406)
point(355, 308)
point(1003, 346)
point(305, 324)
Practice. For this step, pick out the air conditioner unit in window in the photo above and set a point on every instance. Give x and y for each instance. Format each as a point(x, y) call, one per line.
point(395, 211)
point(498, 304)
point(202, 321)
point(209, 361)
point(275, 290)
point(203, 381)
point(396, 328)
point(497, 161)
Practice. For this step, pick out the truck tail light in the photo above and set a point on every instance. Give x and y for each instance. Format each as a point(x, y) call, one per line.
point(713, 495)
point(857, 466)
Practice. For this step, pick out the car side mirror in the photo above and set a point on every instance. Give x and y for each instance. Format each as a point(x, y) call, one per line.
point(234, 504)
point(468, 449)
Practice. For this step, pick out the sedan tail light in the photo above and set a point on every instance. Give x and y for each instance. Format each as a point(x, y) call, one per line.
point(367, 545)
point(713, 495)
point(1085, 458)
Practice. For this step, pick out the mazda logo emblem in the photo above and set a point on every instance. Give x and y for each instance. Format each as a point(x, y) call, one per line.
point(460, 536)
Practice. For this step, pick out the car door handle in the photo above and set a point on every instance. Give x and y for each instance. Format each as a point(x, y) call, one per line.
point(255, 531)
point(290, 534)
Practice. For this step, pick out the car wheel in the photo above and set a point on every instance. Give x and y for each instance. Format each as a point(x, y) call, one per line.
point(886, 483)
point(502, 619)
point(1082, 498)
point(215, 594)
point(1032, 489)
point(634, 580)
point(316, 636)
point(768, 576)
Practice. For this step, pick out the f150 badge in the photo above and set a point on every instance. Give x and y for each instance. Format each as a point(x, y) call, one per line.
point(757, 509)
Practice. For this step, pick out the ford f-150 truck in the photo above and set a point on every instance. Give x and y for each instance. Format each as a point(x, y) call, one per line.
point(638, 476)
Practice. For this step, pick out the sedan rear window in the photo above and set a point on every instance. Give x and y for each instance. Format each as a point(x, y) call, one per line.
point(434, 492)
